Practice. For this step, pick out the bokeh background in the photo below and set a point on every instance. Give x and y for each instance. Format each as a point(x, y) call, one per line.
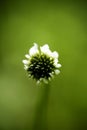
point(63, 25)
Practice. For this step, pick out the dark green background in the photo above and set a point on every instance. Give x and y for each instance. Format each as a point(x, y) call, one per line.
point(63, 25)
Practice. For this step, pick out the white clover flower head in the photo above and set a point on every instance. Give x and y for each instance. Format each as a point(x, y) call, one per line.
point(41, 63)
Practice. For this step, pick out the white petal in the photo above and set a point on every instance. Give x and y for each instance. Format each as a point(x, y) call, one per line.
point(55, 61)
point(58, 65)
point(45, 49)
point(25, 67)
point(49, 78)
point(34, 50)
point(55, 54)
point(52, 74)
point(45, 81)
point(27, 56)
point(38, 82)
point(57, 71)
point(25, 62)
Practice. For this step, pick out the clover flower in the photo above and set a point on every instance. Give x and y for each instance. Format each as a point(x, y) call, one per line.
point(41, 63)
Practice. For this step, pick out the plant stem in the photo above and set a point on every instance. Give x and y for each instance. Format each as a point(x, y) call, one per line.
point(40, 122)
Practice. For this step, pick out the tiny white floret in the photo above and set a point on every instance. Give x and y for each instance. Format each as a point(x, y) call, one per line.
point(57, 71)
point(45, 50)
point(27, 56)
point(58, 65)
point(34, 50)
point(25, 62)
point(55, 54)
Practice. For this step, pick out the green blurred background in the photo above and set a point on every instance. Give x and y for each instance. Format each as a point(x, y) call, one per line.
point(63, 25)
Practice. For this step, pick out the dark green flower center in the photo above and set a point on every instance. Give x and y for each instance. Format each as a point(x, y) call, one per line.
point(41, 66)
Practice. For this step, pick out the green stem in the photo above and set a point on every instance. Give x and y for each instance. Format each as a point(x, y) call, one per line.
point(40, 122)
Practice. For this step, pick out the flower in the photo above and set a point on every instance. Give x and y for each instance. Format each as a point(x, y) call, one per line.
point(41, 63)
